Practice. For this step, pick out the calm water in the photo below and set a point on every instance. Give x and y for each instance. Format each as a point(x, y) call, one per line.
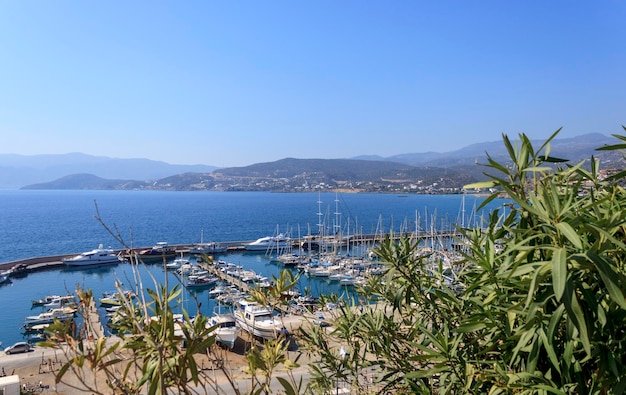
point(40, 223)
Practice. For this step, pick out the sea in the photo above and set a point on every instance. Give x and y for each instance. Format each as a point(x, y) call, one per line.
point(35, 223)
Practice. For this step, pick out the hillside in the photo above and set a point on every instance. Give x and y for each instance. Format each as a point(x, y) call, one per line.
point(89, 181)
point(435, 173)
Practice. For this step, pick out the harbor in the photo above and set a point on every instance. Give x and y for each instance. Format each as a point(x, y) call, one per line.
point(44, 228)
point(56, 261)
point(344, 261)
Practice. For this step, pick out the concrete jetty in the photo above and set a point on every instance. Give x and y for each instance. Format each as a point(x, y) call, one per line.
point(56, 261)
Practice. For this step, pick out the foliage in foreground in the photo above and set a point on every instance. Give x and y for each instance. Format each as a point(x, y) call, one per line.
point(534, 303)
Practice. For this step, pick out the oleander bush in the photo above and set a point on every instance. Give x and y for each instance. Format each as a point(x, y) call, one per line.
point(533, 303)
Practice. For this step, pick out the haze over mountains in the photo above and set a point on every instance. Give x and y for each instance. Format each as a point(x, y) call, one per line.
point(81, 171)
point(17, 171)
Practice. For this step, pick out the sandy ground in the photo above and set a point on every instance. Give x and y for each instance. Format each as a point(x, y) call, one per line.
point(40, 366)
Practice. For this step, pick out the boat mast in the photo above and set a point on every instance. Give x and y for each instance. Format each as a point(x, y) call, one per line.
point(320, 225)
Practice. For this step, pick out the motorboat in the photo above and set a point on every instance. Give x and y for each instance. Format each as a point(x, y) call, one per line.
point(221, 289)
point(201, 281)
point(177, 263)
point(60, 301)
point(270, 243)
point(97, 256)
point(258, 320)
point(226, 330)
point(186, 269)
point(109, 299)
point(161, 250)
point(61, 314)
point(52, 298)
point(208, 248)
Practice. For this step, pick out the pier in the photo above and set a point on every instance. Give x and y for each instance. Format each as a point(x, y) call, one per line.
point(56, 261)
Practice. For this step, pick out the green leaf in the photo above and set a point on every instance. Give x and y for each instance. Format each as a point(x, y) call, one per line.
point(547, 345)
point(559, 272)
point(576, 313)
point(62, 371)
point(610, 278)
point(471, 327)
point(289, 390)
point(571, 235)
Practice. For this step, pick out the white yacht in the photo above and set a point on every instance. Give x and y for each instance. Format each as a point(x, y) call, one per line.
point(269, 243)
point(98, 256)
point(61, 314)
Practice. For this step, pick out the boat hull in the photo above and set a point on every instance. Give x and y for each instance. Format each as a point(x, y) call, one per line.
point(259, 322)
point(96, 257)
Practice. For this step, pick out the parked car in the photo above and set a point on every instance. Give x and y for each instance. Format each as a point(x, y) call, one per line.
point(17, 348)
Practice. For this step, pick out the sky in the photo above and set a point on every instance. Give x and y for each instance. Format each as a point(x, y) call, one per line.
point(232, 83)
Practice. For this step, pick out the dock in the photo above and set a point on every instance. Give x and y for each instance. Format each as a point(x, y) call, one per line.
point(94, 329)
point(56, 261)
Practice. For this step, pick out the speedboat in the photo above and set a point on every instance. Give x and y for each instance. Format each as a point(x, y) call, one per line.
point(258, 320)
point(97, 256)
point(269, 243)
point(226, 330)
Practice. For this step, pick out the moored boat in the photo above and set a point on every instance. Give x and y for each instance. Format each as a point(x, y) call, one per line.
point(270, 243)
point(51, 298)
point(97, 256)
point(61, 314)
point(114, 298)
point(208, 248)
point(177, 263)
point(161, 250)
point(201, 281)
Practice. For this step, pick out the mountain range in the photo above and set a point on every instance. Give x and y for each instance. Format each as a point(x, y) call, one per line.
point(17, 171)
point(372, 173)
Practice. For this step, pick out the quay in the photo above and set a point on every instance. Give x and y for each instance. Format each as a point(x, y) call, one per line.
point(55, 261)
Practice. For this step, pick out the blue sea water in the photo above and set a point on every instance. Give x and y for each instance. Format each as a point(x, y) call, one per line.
point(41, 223)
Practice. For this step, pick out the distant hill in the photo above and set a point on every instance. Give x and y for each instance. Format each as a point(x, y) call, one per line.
point(88, 181)
point(20, 170)
point(421, 173)
point(575, 149)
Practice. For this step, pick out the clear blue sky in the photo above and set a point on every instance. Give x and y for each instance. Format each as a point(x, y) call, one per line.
point(231, 83)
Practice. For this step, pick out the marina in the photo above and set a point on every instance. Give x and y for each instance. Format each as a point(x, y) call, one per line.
point(63, 225)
